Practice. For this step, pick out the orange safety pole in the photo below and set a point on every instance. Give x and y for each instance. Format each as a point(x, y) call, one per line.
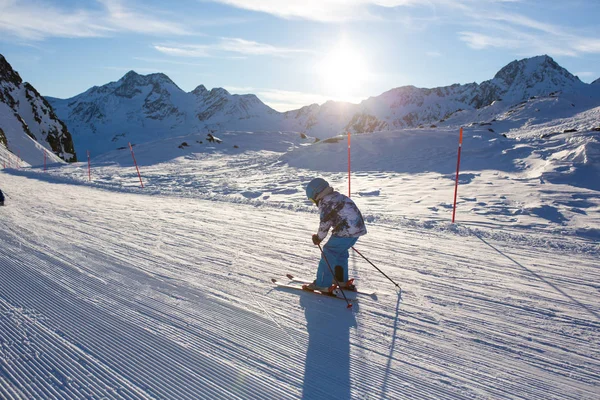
point(89, 167)
point(136, 166)
point(348, 163)
point(457, 171)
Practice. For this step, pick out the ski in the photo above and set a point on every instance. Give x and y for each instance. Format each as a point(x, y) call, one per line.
point(335, 293)
point(355, 290)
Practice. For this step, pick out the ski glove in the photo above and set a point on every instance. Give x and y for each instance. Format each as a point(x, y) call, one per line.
point(315, 239)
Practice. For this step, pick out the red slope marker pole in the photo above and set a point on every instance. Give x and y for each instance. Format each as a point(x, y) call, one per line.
point(457, 171)
point(136, 166)
point(348, 163)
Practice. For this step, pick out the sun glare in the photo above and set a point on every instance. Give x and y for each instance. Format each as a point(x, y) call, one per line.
point(343, 72)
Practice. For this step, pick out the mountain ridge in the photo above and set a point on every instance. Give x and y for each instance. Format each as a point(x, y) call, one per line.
point(144, 107)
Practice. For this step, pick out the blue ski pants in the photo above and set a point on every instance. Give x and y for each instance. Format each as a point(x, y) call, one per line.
point(336, 252)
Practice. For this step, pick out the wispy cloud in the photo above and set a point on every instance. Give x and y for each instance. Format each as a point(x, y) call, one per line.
point(168, 61)
point(319, 10)
point(127, 19)
point(494, 28)
point(184, 50)
point(587, 45)
point(586, 74)
point(248, 47)
point(227, 47)
point(39, 20)
point(484, 23)
point(480, 41)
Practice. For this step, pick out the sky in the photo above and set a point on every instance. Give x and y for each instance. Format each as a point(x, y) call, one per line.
point(292, 53)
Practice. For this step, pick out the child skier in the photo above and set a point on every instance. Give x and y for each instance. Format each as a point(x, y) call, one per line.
point(341, 214)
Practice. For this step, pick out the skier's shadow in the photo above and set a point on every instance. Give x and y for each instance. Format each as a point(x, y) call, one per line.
point(327, 367)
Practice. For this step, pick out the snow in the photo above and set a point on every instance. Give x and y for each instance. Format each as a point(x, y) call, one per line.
point(110, 290)
point(26, 151)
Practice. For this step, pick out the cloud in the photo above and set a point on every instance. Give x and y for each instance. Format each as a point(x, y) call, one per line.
point(247, 47)
point(168, 61)
point(484, 23)
point(480, 41)
point(319, 10)
point(227, 46)
point(36, 21)
point(126, 19)
point(586, 74)
point(184, 50)
point(523, 34)
point(587, 45)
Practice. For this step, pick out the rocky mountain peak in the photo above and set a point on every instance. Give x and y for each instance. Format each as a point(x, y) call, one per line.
point(133, 78)
point(219, 92)
point(534, 69)
point(26, 113)
point(7, 73)
point(130, 76)
point(200, 90)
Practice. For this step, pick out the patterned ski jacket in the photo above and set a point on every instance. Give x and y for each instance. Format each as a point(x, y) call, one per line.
point(339, 213)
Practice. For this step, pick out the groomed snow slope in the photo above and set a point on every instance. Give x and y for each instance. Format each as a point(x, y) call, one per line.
point(118, 293)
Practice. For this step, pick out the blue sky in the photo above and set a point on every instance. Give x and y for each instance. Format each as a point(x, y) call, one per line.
point(292, 53)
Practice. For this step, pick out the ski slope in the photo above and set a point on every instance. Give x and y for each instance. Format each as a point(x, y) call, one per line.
point(111, 291)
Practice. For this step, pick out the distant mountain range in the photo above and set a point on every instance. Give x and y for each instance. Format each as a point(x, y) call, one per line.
point(141, 108)
point(28, 125)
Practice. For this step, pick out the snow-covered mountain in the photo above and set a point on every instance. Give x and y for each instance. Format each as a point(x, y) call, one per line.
point(409, 106)
point(28, 125)
point(141, 108)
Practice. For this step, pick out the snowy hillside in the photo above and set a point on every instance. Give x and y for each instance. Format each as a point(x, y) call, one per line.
point(542, 175)
point(28, 126)
point(140, 108)
point(110, 290)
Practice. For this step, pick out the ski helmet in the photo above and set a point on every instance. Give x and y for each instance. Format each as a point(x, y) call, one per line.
point(315, 187)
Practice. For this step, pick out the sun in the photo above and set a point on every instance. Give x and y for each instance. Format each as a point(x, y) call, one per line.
point(343, 72)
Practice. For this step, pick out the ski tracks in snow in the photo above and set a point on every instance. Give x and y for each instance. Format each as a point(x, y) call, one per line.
point(124, 295)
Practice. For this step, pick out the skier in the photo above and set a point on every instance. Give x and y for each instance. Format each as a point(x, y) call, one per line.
point(343, 216)
point(1, 198)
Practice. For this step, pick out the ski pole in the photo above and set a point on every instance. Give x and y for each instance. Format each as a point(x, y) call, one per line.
point(398, 286)
point(334, 278)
